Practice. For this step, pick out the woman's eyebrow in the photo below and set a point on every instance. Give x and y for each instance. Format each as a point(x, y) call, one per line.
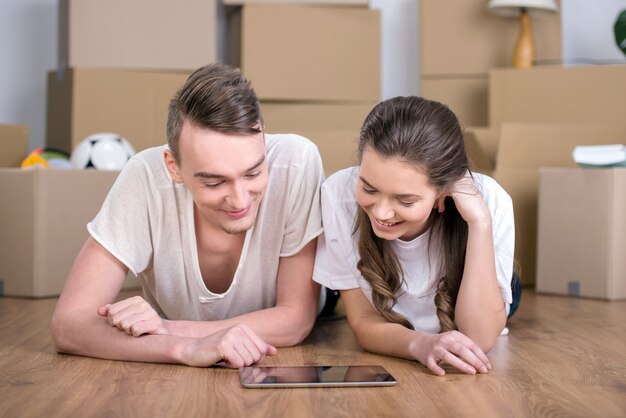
point(401, 195)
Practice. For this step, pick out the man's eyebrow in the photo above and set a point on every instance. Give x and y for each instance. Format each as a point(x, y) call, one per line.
point(207, 175)
point(402, 195)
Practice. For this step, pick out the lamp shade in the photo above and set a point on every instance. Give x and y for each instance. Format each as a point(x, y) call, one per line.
point(512, 7)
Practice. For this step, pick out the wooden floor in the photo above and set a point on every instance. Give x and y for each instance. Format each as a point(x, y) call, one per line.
point(564, 357)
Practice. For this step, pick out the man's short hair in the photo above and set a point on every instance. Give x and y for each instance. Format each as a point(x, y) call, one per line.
point(215, 97)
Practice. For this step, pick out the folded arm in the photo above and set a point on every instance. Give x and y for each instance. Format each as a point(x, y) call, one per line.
point(479, 312)
point(77, 328)
point(286, 324)
point(377, 335)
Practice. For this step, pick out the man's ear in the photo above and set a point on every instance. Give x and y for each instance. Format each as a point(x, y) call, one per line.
point(172, 166)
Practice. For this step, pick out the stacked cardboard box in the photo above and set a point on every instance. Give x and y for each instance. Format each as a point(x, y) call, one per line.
point(133, 104)
point(461, 41)
point(538, 116)
point(158, 35)
point(120, 64)
point(316, 70)
point(14, 144)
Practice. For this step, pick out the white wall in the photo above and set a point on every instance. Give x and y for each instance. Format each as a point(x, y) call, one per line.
point(587, 28)
point(399, 44)
point(28, 50)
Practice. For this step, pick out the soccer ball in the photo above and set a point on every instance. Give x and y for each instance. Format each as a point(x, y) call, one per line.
point(102, 151)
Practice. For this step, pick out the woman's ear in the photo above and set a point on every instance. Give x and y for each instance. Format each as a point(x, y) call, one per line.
point(172, 166)
point(440, 204)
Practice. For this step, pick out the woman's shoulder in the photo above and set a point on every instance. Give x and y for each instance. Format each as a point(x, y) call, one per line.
point(340, 185)
point(497, 199)
point(489, 187)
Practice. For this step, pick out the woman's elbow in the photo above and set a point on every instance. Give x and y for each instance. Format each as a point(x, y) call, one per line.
point(486, 340)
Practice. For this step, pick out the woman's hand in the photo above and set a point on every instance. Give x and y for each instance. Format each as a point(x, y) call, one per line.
point(453, 348)
point(134, 316)
point(468, 201)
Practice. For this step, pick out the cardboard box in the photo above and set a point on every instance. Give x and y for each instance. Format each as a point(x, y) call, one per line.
point(582, 232)
point(465, 38)
point(138, 34)
point(522, 150)
point(333, 127)
point(14, 144)
point(297, 116)
point(487, 140)
point(465, 95)
point(478, 157)
point(591, 94)
point(132, 104)
point(43, 218)
point(311, 52)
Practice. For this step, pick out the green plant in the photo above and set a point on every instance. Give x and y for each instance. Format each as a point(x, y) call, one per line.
point(620, 31)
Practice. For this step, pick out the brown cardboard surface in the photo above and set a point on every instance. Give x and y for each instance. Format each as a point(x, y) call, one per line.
point(488, 139)
point(465, 95)
point(296, 116)
point(522, 150)
point(311, 52)
point(333, 127)
point(479, 160)
point(43, 218)
point(463, 37)
point(581, 245)
point(132, 104)
point(590, 94)
point(138, 34)
point(14, 144)
point(337, 148)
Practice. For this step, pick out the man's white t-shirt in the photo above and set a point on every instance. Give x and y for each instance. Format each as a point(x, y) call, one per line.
point(147, 222)
point(338, 254)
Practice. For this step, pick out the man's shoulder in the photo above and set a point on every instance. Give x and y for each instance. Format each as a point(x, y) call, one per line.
point(150, 159)
point(293, 154)
point(151, 156)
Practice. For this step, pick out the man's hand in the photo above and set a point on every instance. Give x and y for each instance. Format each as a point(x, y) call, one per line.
point(134, 316)
point(237, 346)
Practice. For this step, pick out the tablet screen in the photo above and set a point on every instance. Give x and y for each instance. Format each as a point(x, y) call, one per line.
point(315, 376)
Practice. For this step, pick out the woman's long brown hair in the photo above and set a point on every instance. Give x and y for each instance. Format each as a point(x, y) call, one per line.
point(426, 134)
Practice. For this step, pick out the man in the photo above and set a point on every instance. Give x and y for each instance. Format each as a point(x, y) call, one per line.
point(220, 226)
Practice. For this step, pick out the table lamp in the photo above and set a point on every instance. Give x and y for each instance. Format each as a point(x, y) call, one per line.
point(524, 53)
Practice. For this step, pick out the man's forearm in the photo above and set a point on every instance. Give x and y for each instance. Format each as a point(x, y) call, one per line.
point(92, 336)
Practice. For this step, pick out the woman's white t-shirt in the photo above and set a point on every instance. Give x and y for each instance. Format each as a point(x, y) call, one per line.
point(337, 249)
point(147, 223)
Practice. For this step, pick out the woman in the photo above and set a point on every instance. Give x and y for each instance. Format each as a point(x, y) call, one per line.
point(420, 248)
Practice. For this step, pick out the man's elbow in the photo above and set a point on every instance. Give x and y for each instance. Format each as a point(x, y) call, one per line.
point(61, 341)
point(299, 332)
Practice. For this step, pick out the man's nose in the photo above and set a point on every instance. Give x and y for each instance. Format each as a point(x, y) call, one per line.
point(238, 196)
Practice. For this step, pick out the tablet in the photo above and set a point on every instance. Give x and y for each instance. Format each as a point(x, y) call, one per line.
point(314, 376)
